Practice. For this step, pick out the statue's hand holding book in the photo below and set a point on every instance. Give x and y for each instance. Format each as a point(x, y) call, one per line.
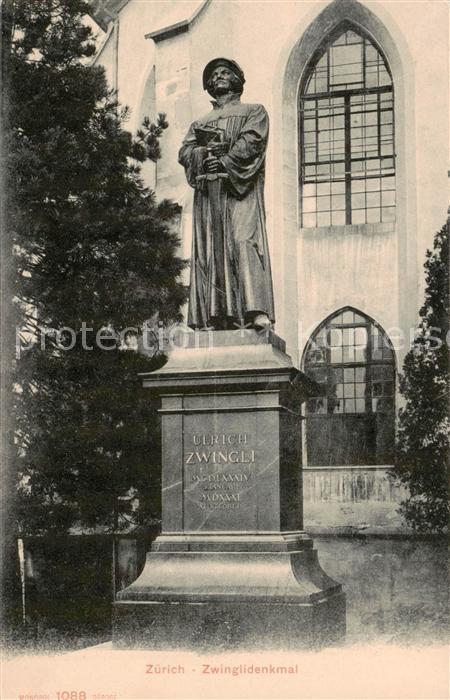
point(213, 139)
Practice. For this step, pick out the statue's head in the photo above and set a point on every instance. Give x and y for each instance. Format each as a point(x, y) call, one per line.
point(222, 75)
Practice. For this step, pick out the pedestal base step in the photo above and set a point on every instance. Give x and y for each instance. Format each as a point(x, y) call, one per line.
point(226, 626)
point(215, 600)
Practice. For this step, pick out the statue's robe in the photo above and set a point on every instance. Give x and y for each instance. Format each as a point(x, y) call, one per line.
point(222, 297)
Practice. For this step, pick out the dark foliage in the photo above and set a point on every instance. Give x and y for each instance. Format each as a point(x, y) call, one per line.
point(423, 436)
point(91, 246)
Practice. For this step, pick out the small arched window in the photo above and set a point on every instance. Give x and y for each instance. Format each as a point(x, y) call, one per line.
point(347, 173)
point(351, 419)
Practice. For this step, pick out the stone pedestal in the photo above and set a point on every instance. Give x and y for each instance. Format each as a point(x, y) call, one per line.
point(232, 567)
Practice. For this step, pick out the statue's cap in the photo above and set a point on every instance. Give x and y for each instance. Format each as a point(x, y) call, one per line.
point(232, 65)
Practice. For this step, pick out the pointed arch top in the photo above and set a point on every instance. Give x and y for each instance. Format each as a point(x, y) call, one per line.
point(346, 34)
point(342, 317)
point(338, 14)
point(350, 317)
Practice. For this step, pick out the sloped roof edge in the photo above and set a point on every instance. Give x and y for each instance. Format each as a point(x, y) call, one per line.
point(178, 27)
point(102, 44)
point(104, 11)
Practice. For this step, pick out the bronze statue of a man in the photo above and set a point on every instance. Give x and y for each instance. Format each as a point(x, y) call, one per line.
point(223, 155)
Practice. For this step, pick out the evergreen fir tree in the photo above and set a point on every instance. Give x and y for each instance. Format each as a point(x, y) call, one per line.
point(423, 436)
point(92, 250)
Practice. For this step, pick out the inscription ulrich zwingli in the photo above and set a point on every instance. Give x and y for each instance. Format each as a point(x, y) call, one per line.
point(214, 487)
point(221, 457)
point(220, 439)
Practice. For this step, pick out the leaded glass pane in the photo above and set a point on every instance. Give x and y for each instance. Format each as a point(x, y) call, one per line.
point(337, 406)
point(348, 316)
point(360, 374)
point(359, 216)
point(309, 220)
point(349, 406)
point(360, 390)
point(349, 390)
point(346, 65)
point(388, 214)
point(336, 337)
point(336, 355)
point(372, 199)
point(324, 218)
point(321, 337)
point(338, 217)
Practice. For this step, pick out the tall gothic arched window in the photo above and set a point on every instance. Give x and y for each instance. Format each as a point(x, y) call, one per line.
point(351, 420)
point(347, 145)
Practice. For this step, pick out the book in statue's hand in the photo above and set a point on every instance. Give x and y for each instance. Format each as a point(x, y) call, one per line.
point(208, 134)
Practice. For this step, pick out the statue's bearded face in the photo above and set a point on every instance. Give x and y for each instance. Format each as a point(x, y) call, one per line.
point(222, 81)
